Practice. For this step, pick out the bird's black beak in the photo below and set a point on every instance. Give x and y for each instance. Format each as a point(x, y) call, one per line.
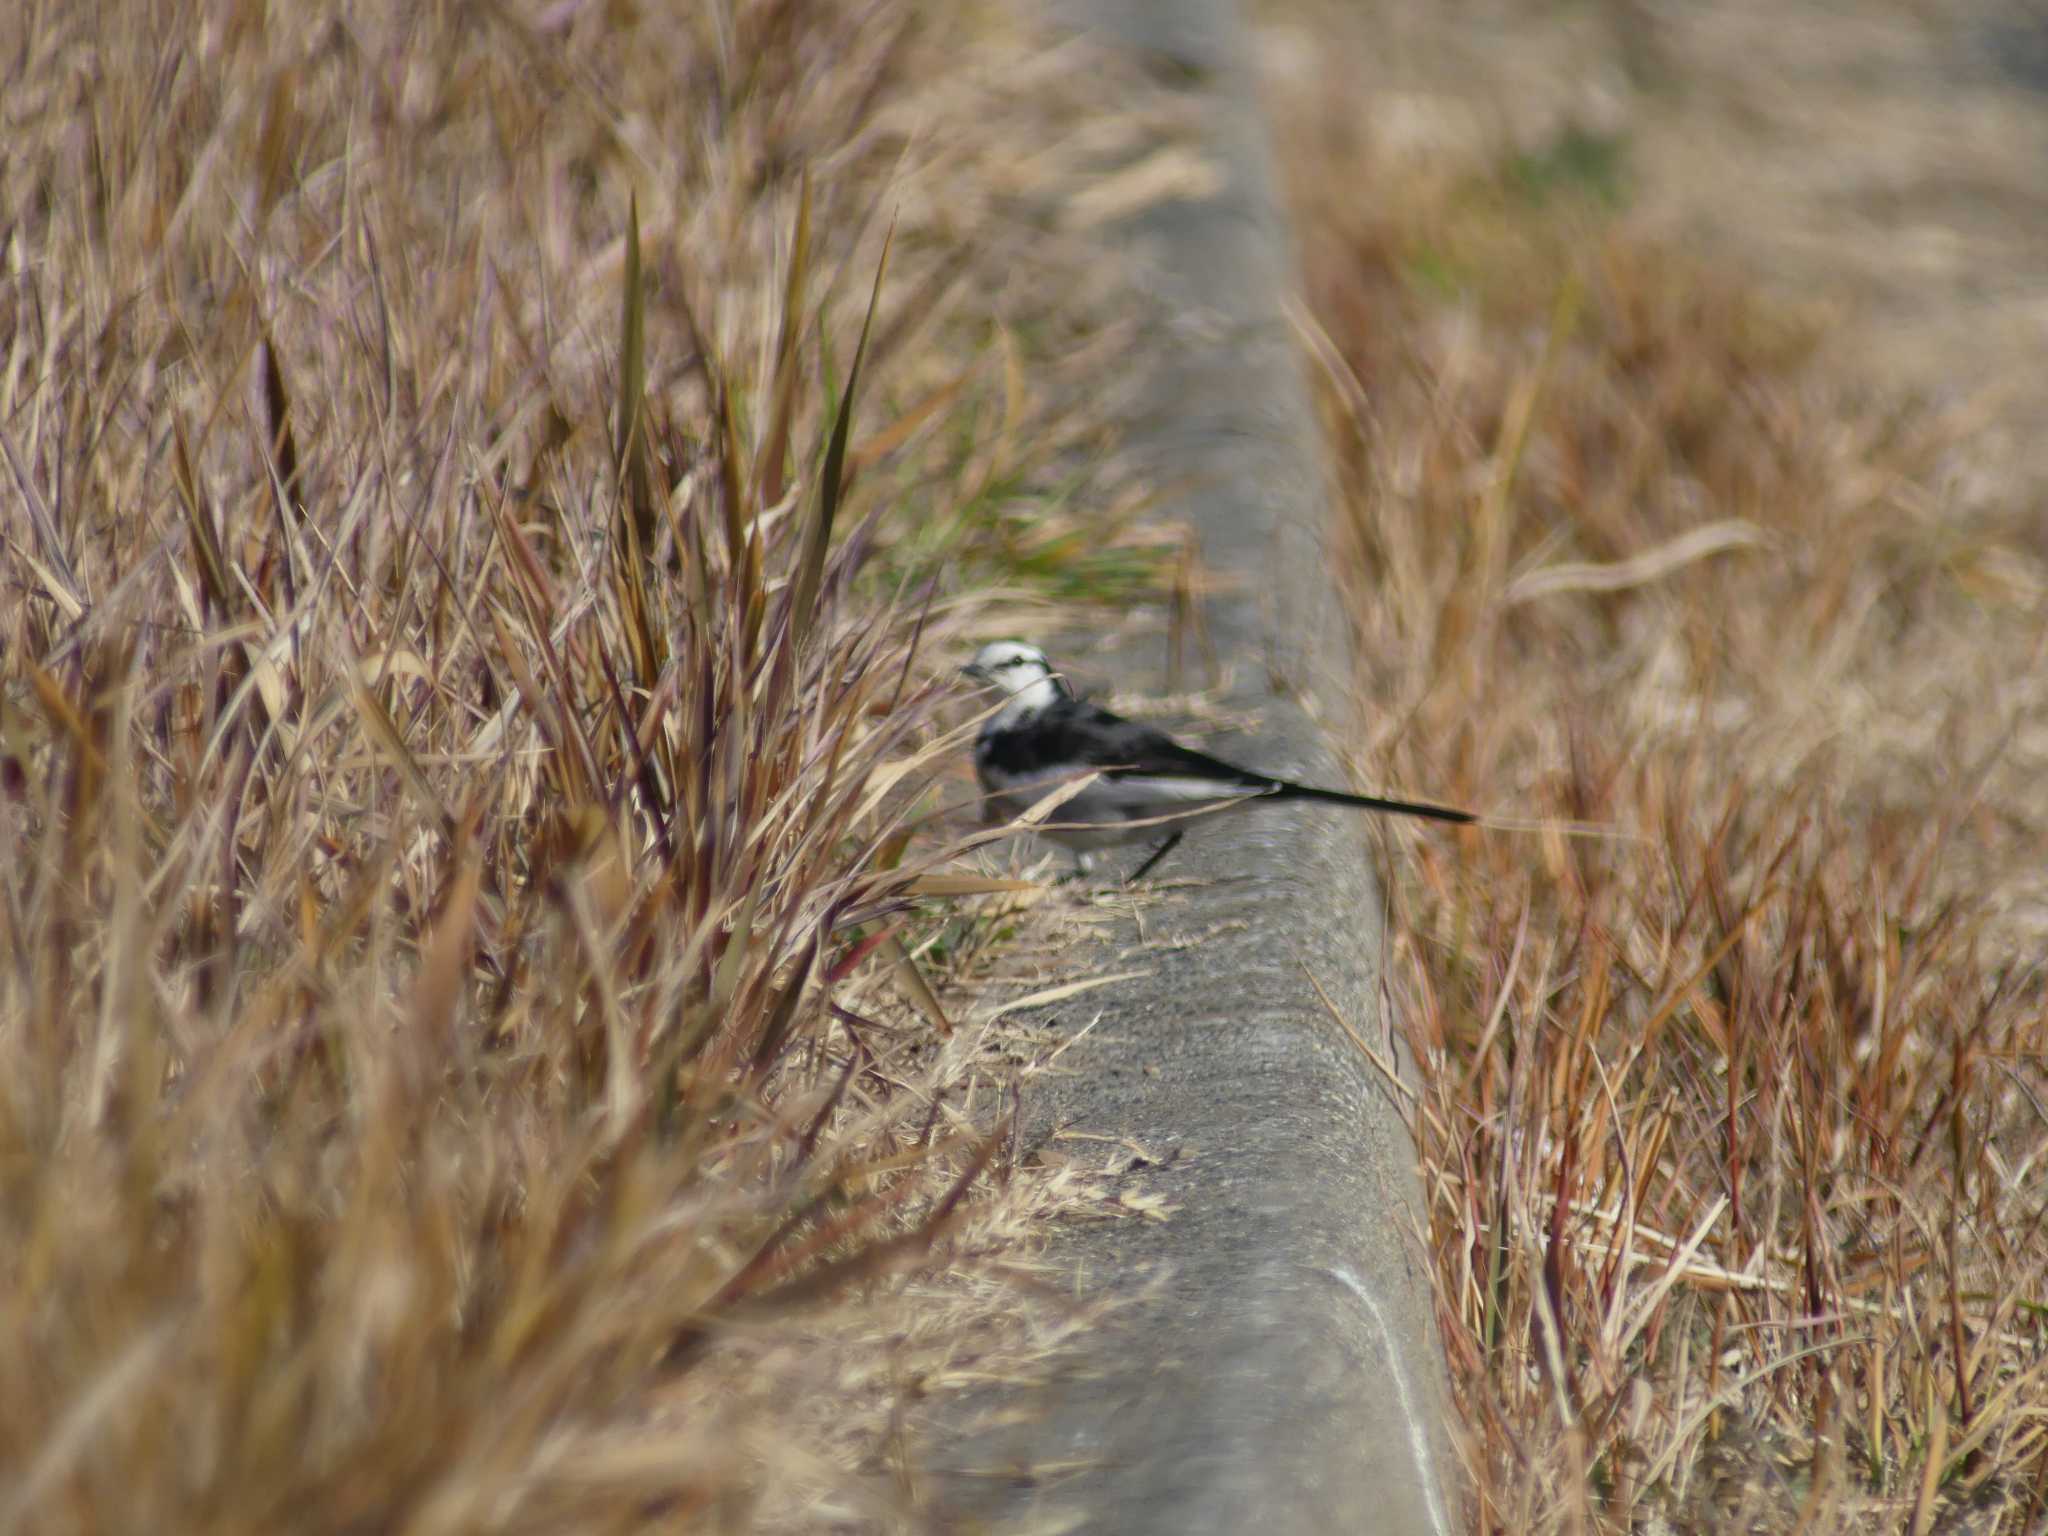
point(973, 673)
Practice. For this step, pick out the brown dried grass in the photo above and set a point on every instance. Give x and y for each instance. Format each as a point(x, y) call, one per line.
point(469, 771)
point(1732, 1113)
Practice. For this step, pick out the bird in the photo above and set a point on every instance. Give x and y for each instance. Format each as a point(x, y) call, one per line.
point(1042, 737)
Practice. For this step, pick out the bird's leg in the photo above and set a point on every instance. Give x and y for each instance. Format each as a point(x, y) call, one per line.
point(1144, 869)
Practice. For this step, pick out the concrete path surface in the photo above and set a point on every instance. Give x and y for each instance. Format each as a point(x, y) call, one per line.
point(1274, 1367)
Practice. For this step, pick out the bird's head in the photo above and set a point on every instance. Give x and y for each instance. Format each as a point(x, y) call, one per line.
point(1012, 666)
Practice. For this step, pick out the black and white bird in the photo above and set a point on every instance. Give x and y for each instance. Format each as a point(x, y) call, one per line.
point(1043, 737)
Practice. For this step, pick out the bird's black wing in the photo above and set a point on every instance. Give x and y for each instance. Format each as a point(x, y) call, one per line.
point(1072, 734)
point(1080, 732)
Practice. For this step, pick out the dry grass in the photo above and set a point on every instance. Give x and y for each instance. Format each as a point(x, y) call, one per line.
point(468, 766)
point(1735, 1106)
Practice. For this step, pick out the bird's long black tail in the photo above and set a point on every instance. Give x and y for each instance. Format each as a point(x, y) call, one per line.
point(1286, 791)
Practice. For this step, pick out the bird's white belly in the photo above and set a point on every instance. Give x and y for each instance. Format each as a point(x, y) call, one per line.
point(1109, 811)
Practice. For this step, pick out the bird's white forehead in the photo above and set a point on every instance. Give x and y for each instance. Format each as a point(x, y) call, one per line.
point(998, 654)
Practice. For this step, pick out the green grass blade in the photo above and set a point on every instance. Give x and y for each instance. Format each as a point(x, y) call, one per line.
point(818, 537)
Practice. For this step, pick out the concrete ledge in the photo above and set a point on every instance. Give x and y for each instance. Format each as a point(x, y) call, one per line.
point(1276, 1369)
